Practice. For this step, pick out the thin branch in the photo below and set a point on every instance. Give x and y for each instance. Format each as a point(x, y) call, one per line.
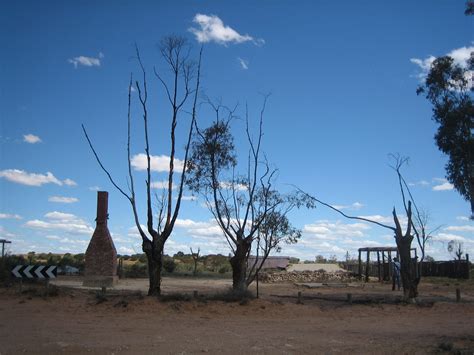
point(102, 166)
point(342, 213)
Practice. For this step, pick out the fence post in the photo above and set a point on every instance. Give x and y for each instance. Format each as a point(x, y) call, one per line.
point(467, 267)
point(458, 295)
point(299, 298)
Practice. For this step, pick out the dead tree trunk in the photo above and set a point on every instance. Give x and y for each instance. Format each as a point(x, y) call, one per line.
point(154, 253)
point(239, 265)
point(409, 279)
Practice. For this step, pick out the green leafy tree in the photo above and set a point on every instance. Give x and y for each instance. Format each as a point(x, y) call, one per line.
point(249, 210)
point(449, 88)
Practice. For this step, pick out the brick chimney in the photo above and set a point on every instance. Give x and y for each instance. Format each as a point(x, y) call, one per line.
point(101, 255)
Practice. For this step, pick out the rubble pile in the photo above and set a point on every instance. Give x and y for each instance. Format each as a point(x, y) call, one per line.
point(307, 276)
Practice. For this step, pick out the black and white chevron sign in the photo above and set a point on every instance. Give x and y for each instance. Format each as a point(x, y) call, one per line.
point(35, 271)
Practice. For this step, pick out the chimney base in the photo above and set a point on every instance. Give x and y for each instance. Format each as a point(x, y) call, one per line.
point(100, 281)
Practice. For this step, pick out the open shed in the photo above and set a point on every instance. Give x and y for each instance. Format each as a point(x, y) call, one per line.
point(384, 261)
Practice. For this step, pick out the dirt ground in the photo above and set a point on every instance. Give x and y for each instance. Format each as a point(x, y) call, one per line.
point(77, 320)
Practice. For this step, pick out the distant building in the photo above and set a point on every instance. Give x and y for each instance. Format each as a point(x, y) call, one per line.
point(272, 262)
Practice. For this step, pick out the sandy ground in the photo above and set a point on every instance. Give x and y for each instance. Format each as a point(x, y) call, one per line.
point(75, 321)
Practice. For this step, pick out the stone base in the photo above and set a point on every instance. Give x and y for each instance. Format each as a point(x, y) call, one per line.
point(100, 281)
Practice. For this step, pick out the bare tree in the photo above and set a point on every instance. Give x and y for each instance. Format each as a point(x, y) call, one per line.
point(415, 227)
point(249, 210)
point(179, 92)
point(456, 248)
point(195, 257)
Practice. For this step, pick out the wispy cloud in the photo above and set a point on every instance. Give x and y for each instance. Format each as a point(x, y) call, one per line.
point(243, 63)
point(9, 216)
point(161, 185)
point(459, 55)
point(62, 199)
point(69, 182)
point(419, 183)
point(159, 163)
point(94, 188)
point(63, 222)
point(335, 230)
point(32, 179)
point(86, 61)
point(443, 185)
point(212, 29)
point(353, 206)
point(31, 138)
point(460, 229)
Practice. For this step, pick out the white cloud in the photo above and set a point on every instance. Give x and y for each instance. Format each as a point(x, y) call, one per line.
point(159, 163)
point(460, 228)
point(9, 216)
point(424, 64)
point(86, 61)
point(63, 222)
point(52, 237)
point(31, 138)
point(335, 230)
point(94, 188)
point(188, 198)
point(243, 63)
point(195, 229)
point(460, 57)
point(419, 183)
point(354, 206)
point(161, 185)
point(30, 179)
point(60, 216)
point(69, 182)
point(447, 237)
point(212, 29)
point(229, 184)
point(462, 218)
point(443, 185)
point(125, 250)
point(74, 241)
point(62, 199)
point(6, 234)
point(379, 218)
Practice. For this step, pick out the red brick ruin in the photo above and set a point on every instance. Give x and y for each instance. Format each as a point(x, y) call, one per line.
point(101, 255)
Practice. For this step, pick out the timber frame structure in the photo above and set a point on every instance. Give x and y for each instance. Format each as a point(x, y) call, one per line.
point(384, 265)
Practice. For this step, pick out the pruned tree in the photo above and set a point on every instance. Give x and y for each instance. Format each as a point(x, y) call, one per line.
point(181, 93)
point(251, 213)
point(456, 248)
point(195, 257)
point(449, 88)
point(403, 236)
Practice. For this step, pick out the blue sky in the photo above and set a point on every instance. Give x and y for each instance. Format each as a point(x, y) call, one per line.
point(342, 75)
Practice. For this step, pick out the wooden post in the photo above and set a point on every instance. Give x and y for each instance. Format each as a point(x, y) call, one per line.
point(390, 266)
point(367, 267)
point(349, 298)
point(360, 265)
point(383, 266)
point(378, 266)
point(458, 295)
point(299, 298)
point(466, 274)
point(195, 294)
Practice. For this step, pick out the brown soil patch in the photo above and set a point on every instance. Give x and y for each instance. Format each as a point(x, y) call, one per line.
point(77, 321)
